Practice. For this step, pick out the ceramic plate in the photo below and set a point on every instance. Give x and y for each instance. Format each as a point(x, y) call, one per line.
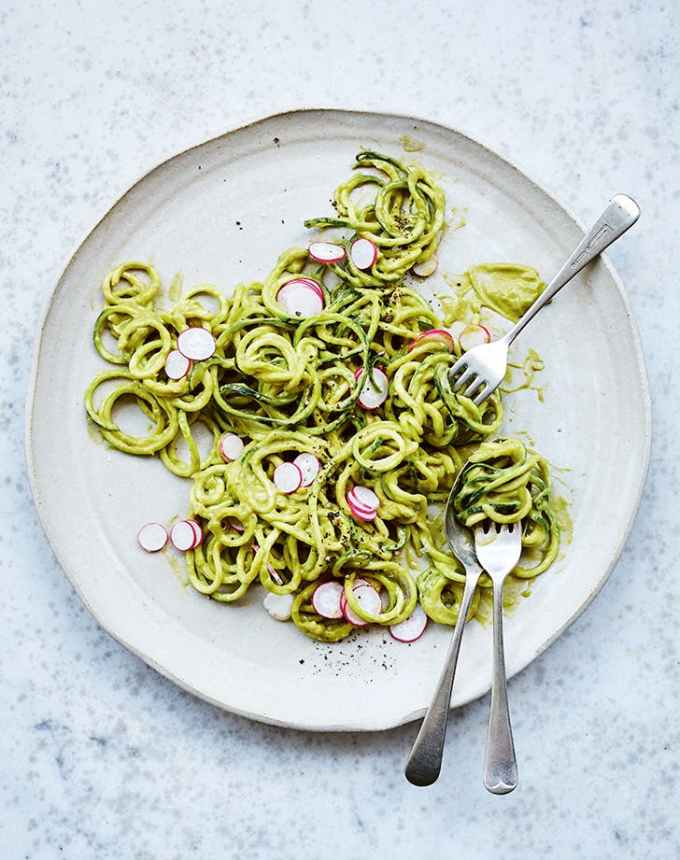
point(221, 212)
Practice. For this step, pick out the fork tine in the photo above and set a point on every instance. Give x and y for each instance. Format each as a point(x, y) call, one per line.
point(474, 385)
point(459, 365)
point(462, 379)
point(481, 396)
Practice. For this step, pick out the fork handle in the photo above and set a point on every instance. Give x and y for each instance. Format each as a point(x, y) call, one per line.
point(425, 762)
point(500, 769)
point(621, 214)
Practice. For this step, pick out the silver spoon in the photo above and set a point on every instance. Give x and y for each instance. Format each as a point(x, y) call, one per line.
point(425, 762)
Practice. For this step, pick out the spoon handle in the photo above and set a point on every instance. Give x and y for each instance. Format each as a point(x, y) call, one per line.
point(425, 762)
point(500, 769)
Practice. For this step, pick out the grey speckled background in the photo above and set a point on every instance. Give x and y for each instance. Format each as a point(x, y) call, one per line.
point(100, 757)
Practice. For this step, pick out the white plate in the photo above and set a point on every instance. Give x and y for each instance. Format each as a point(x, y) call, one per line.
point(184, 217)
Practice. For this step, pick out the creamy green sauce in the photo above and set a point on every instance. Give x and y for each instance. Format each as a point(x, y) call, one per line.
point(462, 303)
point(528, 368)
point(507, 288)
point(459, 218)
point(410, 144)
point(561, 508)
point(175, 288)
point(176, 567)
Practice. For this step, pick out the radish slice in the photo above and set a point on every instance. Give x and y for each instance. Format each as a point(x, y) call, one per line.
point(358, 583)
point(177, 365)
point(306, 282)
point(361, 514)
point(326, 600)
point(457, 328)
point(152, 537)
point(309, 465)
point(231, 447)
point(183, 536)
point(374, 392)
point(474, 335)
point(369, 599)
point(299, 298)
point(274, 574)
point(198, 532)
point(363, 253)
point(411, 629)
point(196, 343)
point(424, 270)
point(235, 525)
point(270, 569)
point(438, 334)
point(278, 605)
point(365, 497)
point(288, 477)
point(326, 252)
point(355, 505)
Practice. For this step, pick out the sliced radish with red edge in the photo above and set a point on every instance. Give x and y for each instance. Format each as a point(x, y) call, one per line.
point(365, 497)
point(270, 569)
point(287, 477)
point(231, 447)
point(326, 252)
point(375, 389)
point(236, 525)
point(275, 575)
point(152, 537)
point(183, 536)
point(299, 298)
point(326, 600)
point(309, 465)
point(363, 253)
point(411, 629)
point(196, 343)
point(361, 515)
point(313, 285)
point(357, 507)
point(177, 365)
point(358, 583)
point(369, 600)
point(473, 335)
point(457, 328)
point(437, 334)
point(198, 532)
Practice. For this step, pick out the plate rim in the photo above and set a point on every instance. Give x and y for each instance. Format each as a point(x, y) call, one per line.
point(364, 723)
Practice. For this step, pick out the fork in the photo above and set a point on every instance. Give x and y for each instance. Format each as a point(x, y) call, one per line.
point(481, 369)
point(498, 550)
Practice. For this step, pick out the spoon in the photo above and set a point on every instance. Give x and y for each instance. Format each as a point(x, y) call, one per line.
point(425, 762)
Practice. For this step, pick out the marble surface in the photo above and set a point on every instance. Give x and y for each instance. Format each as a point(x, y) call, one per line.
point(103, 758)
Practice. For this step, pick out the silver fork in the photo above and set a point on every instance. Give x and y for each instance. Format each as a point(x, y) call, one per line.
point(498, 550)
point(483, 367)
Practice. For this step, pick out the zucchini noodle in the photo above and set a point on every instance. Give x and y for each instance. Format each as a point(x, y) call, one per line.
point(288, 385)
point(505, 482)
